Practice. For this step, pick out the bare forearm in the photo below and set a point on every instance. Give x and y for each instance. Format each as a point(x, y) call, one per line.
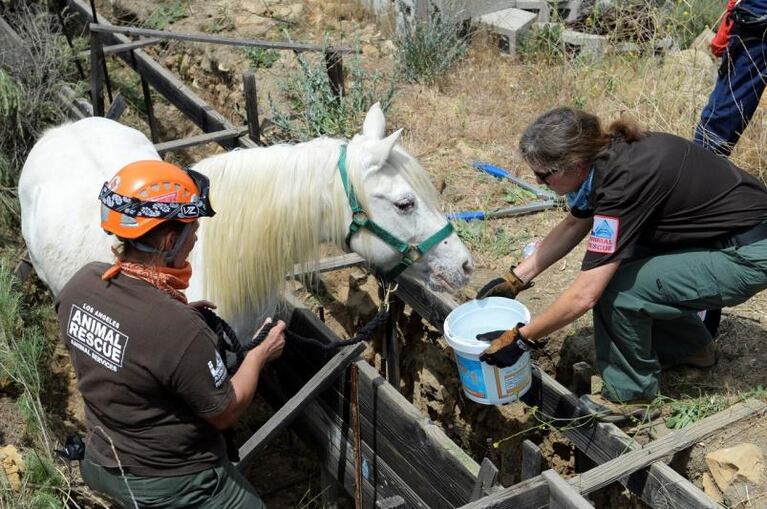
point(560, 241)
point(580, 297)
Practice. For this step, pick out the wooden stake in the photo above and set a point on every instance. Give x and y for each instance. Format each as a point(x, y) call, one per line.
point(251, 106)
point(97, 75)
point(335, 66)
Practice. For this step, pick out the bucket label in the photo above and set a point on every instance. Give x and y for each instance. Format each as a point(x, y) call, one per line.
point(516, 380)
point(471, 376)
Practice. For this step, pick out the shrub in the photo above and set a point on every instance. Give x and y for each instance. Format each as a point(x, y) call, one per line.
point(318, 111)
point(261, 58)
point(427, 48)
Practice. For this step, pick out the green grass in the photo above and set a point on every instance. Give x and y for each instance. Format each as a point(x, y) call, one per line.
point(314, 109)
point(166, 14)
point(427, 49)
point(261, 58)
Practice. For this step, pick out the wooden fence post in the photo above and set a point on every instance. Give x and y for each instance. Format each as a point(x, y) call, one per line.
point(97, 75)
point(251, 106)
point(335, 66)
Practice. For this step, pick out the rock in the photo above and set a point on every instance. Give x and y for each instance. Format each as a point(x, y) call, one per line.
point(710, 488)
point(743, 462)
point(13, 465)
point(701, 43)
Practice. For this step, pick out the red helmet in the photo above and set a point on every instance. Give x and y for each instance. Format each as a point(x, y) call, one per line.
point(145, 194)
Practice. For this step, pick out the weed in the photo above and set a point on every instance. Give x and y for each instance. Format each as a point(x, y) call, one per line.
point(261, 58)
point(318, 110)
point(166, 14)
point(221, 22)
point(480, 237)
point(426, 49)
point(542, 45)
point(517, 195)
point(687, 411)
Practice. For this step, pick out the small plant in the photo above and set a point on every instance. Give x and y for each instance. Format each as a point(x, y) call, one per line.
point(166, 14)
point(426, 49)
point(261, 58)
point(318, 110)
point(517, 195)
point(496, 242)
point(221, 22)
point(542, 45)
point(687, 411)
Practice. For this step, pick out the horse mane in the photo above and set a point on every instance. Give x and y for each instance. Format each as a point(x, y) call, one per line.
point(274, 208)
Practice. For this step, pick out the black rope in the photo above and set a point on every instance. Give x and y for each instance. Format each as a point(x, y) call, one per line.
point(233, 351)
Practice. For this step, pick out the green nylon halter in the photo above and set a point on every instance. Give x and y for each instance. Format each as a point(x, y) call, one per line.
point(410, 252)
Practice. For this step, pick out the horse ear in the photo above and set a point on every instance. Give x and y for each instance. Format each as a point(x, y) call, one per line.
point(378, 151)
point(374, 126)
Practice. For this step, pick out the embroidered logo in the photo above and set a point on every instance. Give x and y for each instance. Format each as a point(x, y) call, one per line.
point(604, 234)
point(218, 372)
point(97, 335)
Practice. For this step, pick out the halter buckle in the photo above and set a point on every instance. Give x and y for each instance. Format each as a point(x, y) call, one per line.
point(412, 255)
point(360, 218)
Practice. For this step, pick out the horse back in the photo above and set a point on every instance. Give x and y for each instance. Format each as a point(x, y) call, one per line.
point(58, 193)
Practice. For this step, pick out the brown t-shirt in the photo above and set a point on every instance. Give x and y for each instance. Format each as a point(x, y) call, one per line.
point(666, 192)
point(149, 373)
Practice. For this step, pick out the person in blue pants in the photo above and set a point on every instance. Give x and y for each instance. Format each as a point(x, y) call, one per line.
point(741, 79)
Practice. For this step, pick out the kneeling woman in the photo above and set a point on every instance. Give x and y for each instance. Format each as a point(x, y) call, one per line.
point(155, 388)
point(672, 230)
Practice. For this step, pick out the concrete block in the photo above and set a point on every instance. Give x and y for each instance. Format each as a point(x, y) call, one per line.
point(508, 23)
point(590, 44)
point(461, 10)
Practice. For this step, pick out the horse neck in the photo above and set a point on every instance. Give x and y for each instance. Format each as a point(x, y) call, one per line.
point(275, 206)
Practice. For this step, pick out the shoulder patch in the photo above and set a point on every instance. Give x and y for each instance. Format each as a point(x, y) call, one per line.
point(604, 234)
point(217, 371)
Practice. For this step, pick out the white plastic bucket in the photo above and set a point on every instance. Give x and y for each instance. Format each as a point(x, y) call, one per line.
point(482, 382)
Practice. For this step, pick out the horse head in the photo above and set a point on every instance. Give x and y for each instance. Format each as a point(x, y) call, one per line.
point(396, 195)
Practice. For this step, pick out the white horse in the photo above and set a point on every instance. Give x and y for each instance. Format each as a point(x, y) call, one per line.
point(275, 206)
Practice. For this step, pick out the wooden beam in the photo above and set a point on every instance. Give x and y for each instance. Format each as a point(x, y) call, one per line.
point(117, 108)
point(417, 449)
point(146, 91)
point(166, 83)
point(487, 478)
point(120, 48)
point(288, 412)
point(532, 460)
point(251, 106)
point(674, 442)
point(213, 39)
point(531, 493)
point(562, 494)
point(199, 139)
point(97, 75)
point(330, 264)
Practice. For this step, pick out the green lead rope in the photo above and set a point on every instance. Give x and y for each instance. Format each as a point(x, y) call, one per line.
point(410, 252)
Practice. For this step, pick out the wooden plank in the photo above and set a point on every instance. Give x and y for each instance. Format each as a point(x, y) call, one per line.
point(330, 264)
point(212, 39)
point(117, 108)
point(674, 442)
point(97, 75)
point(487, 478)
point(167, 84)
point(288, 412)
point(154, 132)
point(199, 139)
point(533, 493)
point(395, 502)
point(127, 46)
point(562, 494)
point(532, 460)
point(335, 67)
point(656, 485)
point(415, 447)
point(251, 106)
point(392, 343)
point(411, 444)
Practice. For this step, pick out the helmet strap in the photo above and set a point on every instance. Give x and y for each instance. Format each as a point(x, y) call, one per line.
point(167, 255)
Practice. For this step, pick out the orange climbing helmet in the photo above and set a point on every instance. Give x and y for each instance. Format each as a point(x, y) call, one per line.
point(145, 194)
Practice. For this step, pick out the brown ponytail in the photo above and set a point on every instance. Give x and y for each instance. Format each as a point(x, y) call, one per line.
point(565, 138)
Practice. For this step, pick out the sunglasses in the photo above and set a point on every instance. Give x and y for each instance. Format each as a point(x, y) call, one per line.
point(544, 177)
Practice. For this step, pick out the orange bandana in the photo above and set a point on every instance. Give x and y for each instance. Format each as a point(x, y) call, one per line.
point(166, 279)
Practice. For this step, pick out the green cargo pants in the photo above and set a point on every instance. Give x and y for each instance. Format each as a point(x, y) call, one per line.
point(217, 487)
point(647, 314)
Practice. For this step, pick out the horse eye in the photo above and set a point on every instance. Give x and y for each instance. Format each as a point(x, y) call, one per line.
point(406, 205)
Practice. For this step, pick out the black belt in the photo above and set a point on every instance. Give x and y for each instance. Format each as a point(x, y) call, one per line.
point(744, 238)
